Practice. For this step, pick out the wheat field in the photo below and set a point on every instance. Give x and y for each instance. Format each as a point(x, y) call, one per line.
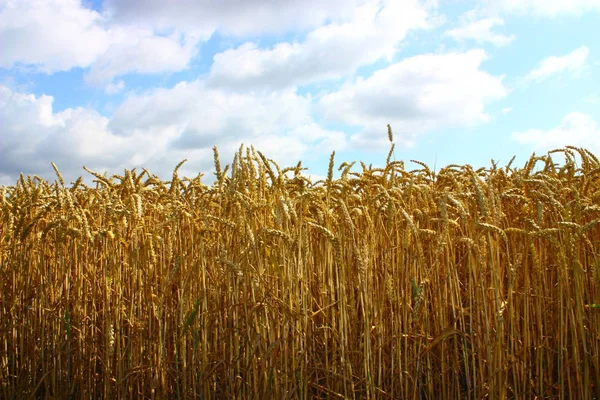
point(388, 283)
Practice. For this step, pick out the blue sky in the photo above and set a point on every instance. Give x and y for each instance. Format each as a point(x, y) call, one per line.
point(120, 84)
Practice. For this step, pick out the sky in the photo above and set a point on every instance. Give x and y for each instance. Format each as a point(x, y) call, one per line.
point(122, 84)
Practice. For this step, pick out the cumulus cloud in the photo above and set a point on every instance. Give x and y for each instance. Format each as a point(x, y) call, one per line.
point(330, 51)
point(480, 30)
point(546, 8)
point(575, 129)
point(33, 135)
point(53, 35)
point(157, 130)
point(210, 110)
point(59, 35)
point(142, 53)
point(208, 116)
point(416, 95)
point(151, 36)
point(113, 88)
point(572, 62)
point(231, 17)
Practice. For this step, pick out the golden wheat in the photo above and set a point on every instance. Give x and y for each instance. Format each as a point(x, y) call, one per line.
point(384, 283)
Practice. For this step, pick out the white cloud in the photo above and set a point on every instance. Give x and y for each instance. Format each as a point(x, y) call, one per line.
point(572, 62)
point(142, 52)
point(231, 17)
point(52, 35)
point(416, 95)
point(330, 51)
point(151, 36)
point(593, 98)
point(58, 35)
point(157, 130)
point(211, 111)
point(506, 110)
point(33, 135)
point(113, 88)
point(480, 30)
point(208, 116)
point(575, 129)
point(545, 8)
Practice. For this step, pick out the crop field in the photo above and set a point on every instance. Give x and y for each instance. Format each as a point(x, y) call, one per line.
point(397, 282)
